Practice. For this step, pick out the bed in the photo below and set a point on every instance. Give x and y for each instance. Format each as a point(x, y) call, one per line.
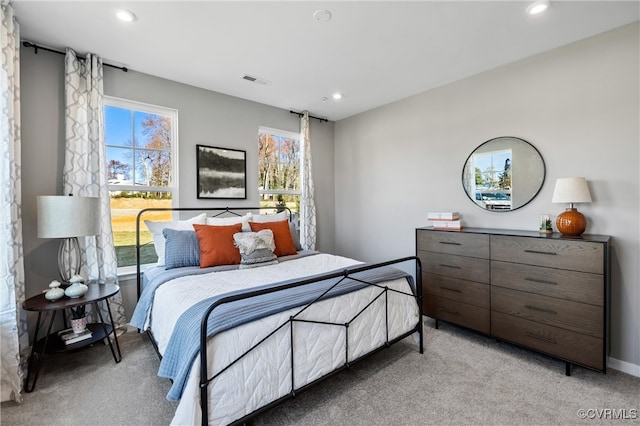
point(237, 339)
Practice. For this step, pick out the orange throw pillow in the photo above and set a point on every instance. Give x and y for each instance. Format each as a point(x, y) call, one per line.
point(216, 245)
point(281, 236)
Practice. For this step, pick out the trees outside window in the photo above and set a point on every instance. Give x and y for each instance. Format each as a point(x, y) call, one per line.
point(141, 142)
point(279, 168)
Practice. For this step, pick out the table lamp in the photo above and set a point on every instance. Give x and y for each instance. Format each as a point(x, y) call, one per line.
point(571, 190)
point(68, 218)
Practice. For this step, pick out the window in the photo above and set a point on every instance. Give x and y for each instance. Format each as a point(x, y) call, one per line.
point(279, 168)
point(141, 144)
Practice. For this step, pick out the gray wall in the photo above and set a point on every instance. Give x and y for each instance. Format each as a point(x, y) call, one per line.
point(204, 117)
point(579, 105)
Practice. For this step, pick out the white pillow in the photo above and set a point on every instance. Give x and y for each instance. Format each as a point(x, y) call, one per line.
point(264, 218)
point(183, 225)
point(223, 221)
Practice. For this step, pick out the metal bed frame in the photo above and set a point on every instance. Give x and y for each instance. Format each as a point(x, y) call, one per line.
point(340, 276)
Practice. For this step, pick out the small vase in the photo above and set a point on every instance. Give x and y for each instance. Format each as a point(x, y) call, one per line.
point(76, 290)
point(55, 292)
point(79, 325)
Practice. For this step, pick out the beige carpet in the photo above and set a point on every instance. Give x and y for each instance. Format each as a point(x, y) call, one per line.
point(462, 378)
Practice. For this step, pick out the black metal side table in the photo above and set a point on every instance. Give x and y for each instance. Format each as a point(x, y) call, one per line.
point(51, 343)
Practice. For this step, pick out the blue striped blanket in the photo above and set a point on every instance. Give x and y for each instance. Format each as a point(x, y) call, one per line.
point(184, 343)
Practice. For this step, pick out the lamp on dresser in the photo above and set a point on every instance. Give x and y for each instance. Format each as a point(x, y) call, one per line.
point(571, 190)
point(68, 217)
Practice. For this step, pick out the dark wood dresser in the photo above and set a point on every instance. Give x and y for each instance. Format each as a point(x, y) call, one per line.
point(544, 292)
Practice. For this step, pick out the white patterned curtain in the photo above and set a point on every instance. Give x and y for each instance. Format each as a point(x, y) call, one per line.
point(85, 167)
point(13, 325)
point(307, 205)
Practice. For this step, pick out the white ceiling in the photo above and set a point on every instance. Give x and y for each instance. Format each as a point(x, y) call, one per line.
point(375, 52)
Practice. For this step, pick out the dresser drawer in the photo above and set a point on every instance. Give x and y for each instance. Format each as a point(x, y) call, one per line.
point(453, 242)
point(575, 347)
point(456, 289)
point(570, 254)
point(466, 268)
point(578, 317)
point(560, 283)
point(457, 313)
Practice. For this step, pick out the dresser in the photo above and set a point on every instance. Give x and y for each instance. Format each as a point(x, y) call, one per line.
point(548, 293)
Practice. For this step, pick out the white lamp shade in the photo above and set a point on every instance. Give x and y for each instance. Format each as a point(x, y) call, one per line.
point(571, 190)
point(61, 216)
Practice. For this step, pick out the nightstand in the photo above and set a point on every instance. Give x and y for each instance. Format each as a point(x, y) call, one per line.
point(51, 343)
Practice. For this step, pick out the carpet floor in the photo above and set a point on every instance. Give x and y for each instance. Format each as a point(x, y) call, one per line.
point(462, 378)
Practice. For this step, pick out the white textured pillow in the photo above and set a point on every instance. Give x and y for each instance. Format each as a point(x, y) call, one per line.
point(223, 221)
point(256, 248)
point(156, 231)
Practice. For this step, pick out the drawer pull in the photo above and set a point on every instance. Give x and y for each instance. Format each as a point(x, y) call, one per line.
point(449, 266)
point(455, 290)
point(545, 339)
point(449, 312)
point(533, 308)
point(540, 281)
point(541, 252)
point(450, 243)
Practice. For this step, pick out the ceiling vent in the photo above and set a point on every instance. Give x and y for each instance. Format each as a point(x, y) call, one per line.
point(256, 80)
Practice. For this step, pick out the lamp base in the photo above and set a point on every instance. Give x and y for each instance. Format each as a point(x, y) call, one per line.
point(571, 222)
point(68, 258)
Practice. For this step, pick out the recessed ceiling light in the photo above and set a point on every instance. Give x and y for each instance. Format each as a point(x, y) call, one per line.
point(538, 7)
point(337, 96)
point(125, 15)
point(322, 15)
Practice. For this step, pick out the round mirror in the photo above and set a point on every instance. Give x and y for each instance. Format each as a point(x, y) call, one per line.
point(503, 174)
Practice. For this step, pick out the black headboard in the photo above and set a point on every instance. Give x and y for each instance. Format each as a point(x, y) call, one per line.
point(220, 211)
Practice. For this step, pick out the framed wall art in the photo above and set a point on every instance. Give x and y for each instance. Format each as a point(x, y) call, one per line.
point(222, 172)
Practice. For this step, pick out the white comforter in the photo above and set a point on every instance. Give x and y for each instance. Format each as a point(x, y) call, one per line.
point(265, 373)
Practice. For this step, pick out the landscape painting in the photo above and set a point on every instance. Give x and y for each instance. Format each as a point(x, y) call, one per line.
point(222, 172)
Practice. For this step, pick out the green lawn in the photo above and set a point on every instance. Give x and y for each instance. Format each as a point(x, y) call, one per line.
point(126, 248)
point(127, 255)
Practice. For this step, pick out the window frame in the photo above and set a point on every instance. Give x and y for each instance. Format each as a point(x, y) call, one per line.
point(125, 272)
point(288, 134)
point(150, 109)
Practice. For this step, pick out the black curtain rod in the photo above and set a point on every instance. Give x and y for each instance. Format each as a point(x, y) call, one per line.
point(36, 48)
point(300, 114)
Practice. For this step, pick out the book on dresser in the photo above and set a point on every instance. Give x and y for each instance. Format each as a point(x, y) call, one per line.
point(446, 224)
point(68, 336)
point(444, 215)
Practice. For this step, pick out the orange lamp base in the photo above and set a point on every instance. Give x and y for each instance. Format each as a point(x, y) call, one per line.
point(571, 222)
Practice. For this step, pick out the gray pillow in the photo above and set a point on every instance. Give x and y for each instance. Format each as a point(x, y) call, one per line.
point(295, 236)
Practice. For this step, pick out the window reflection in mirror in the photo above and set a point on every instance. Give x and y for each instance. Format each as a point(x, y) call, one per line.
point(503, 174)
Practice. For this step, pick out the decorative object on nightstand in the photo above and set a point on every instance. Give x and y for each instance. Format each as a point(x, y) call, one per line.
point(55, 292)
point(68, 218)
point(77, 288)
point(571, 190)
point(70, 336)
point(78, 318)
point(545, 224)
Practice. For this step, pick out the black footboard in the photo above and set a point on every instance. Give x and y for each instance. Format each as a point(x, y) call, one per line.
point(205, 380)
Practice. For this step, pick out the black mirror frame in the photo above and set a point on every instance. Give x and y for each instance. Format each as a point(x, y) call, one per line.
point(544, 174)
